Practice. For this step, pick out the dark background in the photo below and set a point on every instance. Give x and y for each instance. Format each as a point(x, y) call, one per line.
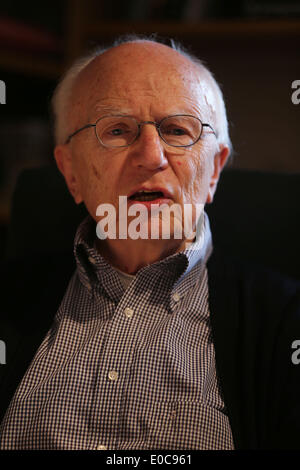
point(251, 46)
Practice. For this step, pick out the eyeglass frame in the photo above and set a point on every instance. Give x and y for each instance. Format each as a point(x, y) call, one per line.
point(139, 124)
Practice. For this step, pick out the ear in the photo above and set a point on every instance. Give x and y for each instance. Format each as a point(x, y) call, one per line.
point(220, 160)
point(64, 161)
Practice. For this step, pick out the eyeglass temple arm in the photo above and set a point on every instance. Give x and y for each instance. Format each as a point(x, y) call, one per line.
point(208, 125)
point(78, 130)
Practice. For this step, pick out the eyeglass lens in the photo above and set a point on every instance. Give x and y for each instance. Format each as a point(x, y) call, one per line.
point(120, 131)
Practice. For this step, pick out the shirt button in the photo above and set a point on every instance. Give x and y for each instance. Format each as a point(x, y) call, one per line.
point(89, 287)
point(92, 260)
point(176, 297)
point(128, 312)
point(101, 447)
point(113, 375)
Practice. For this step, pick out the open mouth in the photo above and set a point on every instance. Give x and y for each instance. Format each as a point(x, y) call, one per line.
point(146, 196)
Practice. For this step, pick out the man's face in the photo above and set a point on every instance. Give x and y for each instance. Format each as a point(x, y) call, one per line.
point(148, 82)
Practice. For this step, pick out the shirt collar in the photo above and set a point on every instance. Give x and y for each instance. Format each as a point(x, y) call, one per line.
point(184, 266)
point(201, 249)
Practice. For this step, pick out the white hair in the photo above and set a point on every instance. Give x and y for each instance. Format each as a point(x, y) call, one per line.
point(62, 95)
point(63, 92)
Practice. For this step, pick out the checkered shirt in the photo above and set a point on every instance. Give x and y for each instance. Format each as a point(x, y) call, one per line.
point(124, 368)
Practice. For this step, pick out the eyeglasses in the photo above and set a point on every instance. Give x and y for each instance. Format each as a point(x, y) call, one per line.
point(180, 130)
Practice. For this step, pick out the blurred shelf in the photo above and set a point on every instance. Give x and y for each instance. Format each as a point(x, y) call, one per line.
point(238, 27)
point(27, 64)
point(51, 68)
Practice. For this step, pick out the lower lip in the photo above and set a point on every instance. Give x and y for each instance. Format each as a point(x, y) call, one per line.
point(158, 202)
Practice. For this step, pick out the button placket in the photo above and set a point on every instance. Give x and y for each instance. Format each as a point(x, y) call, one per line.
point(128, 312)
point(117, 357)
point(113, 375)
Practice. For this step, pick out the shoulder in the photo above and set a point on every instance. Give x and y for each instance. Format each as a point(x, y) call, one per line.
point(250, 278)
point(254, 298)
point(255, 314)
point(32, 289)
point(31, 285)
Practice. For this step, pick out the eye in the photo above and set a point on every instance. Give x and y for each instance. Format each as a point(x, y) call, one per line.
point(175, 131)
point(116, 131)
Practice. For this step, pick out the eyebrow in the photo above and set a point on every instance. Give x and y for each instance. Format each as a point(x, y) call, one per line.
point(104, 108)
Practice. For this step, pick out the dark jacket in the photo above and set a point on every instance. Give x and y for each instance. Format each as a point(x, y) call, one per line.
point(255, 317)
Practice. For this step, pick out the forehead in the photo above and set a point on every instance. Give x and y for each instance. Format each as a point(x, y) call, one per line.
point(139, 74)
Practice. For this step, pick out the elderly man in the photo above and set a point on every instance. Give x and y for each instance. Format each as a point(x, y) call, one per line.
point(159, 342)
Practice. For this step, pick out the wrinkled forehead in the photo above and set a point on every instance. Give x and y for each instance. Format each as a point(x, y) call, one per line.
point(128, 72)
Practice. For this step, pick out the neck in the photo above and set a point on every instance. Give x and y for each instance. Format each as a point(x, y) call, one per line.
point(132, 255)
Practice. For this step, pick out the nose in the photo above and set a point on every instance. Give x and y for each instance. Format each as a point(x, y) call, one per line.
point(148, 150)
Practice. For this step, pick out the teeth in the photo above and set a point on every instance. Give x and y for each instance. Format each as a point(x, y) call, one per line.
point(145, 191)
point(146, 195)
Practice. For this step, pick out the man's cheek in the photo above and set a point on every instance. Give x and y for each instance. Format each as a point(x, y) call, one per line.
point(96, 172)
point(198, 182)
